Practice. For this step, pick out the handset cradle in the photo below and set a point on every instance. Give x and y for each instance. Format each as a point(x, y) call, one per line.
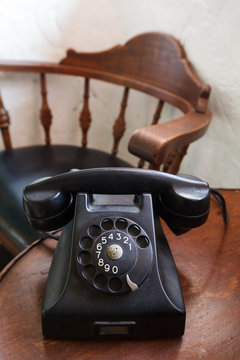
point(183, 201)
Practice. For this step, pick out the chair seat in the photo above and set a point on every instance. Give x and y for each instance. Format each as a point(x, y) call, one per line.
point(19, 167)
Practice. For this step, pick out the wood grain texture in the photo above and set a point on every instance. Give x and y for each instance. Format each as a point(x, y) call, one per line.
point(208, 264)
point(45, 112)
point(155, 143)
point(119, 126)
point(155, 120)
point(173, 162)
point(153, 63)
point(142, 58)
point(85, 118)
point(4, 125)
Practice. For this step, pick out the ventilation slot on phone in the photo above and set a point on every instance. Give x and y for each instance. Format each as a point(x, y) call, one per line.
point(121, 328)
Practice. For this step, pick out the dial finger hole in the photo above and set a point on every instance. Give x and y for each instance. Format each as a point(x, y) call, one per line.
point(115, 284)
point(94, 230)
point(84, 258)
point(89, 271)
point(121, 224)
point(107, 224)
point(86, 242)
point(100, 281)
point(134, 230)
point(142, 242)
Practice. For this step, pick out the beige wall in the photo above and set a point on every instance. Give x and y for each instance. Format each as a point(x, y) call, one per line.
point(43, 30)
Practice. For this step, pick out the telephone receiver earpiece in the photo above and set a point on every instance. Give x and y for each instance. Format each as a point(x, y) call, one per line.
point(49, 209)
point(183, 201)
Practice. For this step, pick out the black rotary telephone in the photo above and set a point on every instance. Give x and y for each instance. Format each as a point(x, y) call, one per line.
point(113, 274)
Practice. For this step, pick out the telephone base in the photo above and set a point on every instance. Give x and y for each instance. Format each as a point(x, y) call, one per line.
point(79, 304)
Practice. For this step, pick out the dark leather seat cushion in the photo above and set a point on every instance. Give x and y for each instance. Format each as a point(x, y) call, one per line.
point(19, 167)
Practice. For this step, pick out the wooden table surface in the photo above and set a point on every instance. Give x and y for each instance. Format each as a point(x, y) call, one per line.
point(209, 267)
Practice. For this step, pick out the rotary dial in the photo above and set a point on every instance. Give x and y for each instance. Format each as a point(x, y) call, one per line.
point(114, 256)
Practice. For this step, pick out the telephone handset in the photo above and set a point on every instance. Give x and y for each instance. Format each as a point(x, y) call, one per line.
point(113, 274)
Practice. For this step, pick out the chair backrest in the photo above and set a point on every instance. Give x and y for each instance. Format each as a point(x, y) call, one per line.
point(153, 63)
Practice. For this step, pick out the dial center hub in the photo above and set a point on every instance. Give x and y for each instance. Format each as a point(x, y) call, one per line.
point(114, 252)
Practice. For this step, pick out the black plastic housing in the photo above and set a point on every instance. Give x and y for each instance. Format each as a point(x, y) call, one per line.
point(183, 200)
point(74, 309)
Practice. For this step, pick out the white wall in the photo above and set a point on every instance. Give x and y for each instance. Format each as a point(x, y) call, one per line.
point(43, 30)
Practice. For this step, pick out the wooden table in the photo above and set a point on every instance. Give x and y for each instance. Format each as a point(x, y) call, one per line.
point(209, 266)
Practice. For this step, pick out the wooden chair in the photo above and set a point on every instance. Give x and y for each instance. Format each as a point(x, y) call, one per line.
point(152, 63)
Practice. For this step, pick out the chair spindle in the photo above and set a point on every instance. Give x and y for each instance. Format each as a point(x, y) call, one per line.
point(4, 125)
point(120, 124)
point(158, 112)
point(154, 166)
point(85, 116)
point(45, 112)
point(173, 162)
point(155, 120)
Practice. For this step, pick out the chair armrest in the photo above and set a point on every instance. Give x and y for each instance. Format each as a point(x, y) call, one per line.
point(154, 143)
